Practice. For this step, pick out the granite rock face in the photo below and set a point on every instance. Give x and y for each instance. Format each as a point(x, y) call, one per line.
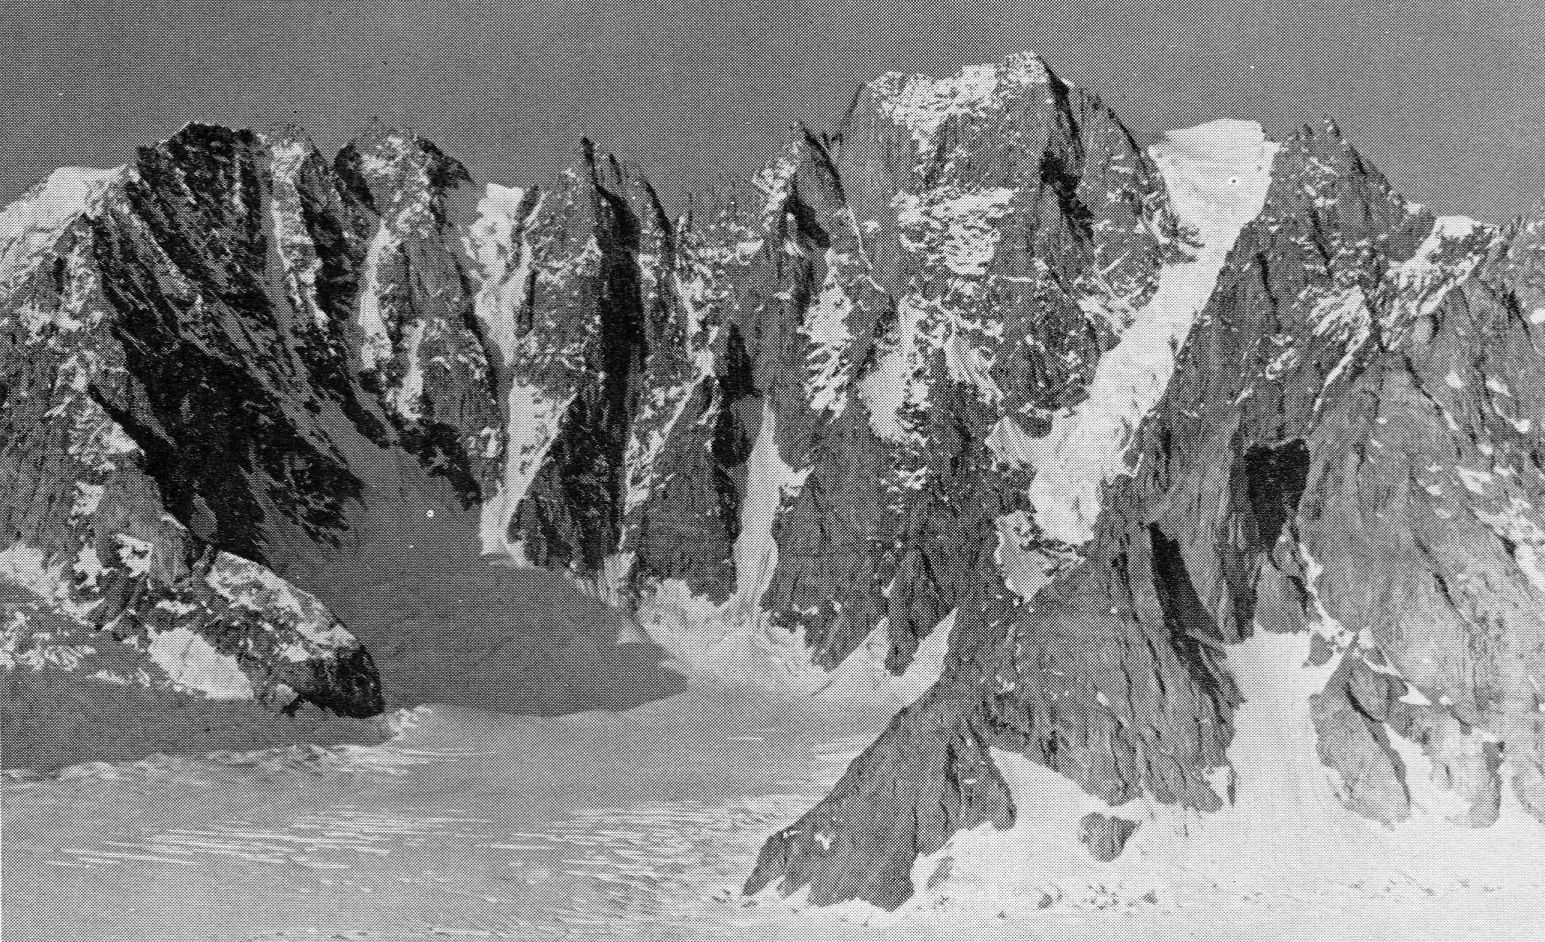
point(763, 426)
point(1348, 446)
point(210, 357)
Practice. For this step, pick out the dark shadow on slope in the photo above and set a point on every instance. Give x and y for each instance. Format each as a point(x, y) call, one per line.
point(52, 718)
point(472, 635)
point(1273, 478)
point(484, 636)
point(1193, 633)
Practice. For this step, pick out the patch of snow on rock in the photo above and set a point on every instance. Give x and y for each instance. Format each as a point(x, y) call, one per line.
point(1525, 535)
point(922, 104)
point(497, 242)
point(377, 347)
point(287, 155)
point(192, 663)
point(734, 641)
point(826, 327)
point(1448, 255)
point(1282, 827)
point(532, 419)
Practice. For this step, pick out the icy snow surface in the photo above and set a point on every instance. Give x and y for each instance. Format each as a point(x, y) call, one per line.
point(472, 825)
point(1217, 175)
point(1285, 856)
point(467, 825)
point(192, 663)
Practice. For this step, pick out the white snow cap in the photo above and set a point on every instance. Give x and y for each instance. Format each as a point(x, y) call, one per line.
point(922, 103)
point(31, 225)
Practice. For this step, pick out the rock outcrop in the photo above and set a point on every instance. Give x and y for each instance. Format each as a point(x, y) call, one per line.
point(211, 357)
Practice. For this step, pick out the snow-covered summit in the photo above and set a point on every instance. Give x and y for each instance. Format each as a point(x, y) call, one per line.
point(922, 103)
point(31, 225)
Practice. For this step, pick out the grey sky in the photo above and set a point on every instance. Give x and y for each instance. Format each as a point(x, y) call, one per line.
point(1444, 95)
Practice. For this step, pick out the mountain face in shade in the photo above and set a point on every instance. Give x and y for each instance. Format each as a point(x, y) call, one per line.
point(219, 362)
point(1086, 455)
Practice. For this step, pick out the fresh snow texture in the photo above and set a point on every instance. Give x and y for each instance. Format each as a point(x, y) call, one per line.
point(922, 104)
point(191, 663)
point(1217, 175)
point(33, 224)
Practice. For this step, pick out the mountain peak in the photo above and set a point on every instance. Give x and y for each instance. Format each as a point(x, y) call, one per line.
point(923, 103)
point(386, 155)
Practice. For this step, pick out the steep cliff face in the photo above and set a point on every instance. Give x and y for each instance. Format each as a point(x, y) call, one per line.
point(768, 434)
point(212, 357)
point(1342, 459)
